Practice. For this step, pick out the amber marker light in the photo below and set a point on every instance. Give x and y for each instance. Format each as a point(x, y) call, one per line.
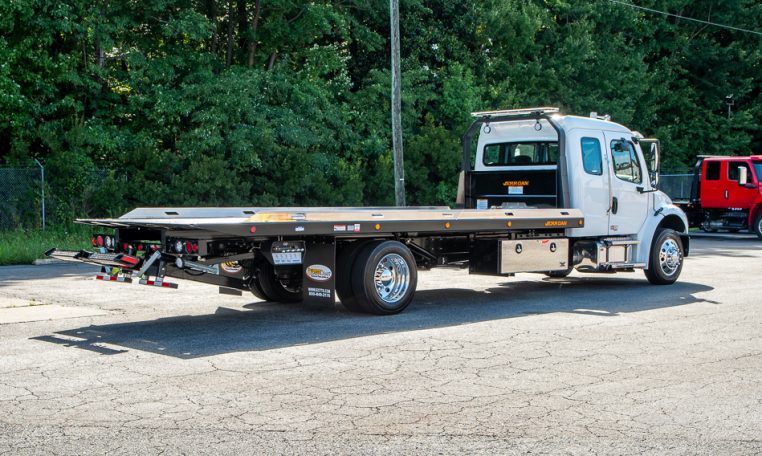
point(580, 222)
point(447, 225)
point(378, 226)
point(509, 224)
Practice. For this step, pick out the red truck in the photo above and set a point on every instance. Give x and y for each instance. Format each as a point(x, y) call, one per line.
point(726, 194)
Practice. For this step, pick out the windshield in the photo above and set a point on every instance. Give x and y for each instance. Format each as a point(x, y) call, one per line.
point(758, 169)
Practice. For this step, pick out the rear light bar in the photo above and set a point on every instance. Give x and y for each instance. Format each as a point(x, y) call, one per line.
point(104, 240)
point(110, 243)
point(183, 246)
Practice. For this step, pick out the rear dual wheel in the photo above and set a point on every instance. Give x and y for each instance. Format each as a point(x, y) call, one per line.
point(379, 278)
point(345, 262)
point(267, 286)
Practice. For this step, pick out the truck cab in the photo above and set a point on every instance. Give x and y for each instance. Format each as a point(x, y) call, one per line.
point(728, 194)
point(538, 158)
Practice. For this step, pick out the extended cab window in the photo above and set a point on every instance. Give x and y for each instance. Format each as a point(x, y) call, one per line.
point(712, 171)
point(591, 156)
point(521, 153)
point(626, 164)
point(733, 173)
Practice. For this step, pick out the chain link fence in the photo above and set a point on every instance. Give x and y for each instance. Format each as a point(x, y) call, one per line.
point(21, 198)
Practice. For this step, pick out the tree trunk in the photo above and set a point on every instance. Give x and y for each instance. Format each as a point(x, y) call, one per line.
point(254, 26)
point(229, 52)
point(99, 53)
point(212, 14)
point(271, 62)
point(243, 26)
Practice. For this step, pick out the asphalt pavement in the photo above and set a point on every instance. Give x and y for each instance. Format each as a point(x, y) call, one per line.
point(589, 364)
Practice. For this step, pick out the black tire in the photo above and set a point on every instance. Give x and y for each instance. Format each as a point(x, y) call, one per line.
point(558, 274)
point(666, 258)
point(757, 228)
point(273, 288)
point(364, 278)
point(256, 289)
point(345, 262)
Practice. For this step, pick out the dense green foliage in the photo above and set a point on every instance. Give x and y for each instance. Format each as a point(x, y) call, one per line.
point(285, 102)
point(23, 246)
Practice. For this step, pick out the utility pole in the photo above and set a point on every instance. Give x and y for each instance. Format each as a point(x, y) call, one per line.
point(399, 169)
point(729, 101)
point(42, 190)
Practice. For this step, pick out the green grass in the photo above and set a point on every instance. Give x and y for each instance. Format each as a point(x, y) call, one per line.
point(23, 246)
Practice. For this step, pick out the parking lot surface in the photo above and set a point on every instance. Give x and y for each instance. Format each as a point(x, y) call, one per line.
point(590, 364)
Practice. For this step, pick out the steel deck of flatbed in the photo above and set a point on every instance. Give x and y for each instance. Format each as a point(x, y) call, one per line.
point(340, 221)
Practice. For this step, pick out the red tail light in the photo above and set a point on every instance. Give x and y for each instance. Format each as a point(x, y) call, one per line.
point(94, 242)
point(140, 247)
point(99, 240)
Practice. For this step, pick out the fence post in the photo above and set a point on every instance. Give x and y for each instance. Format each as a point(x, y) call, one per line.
point(42, 190)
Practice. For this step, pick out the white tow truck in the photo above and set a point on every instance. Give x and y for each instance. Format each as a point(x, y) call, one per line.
point(541, 192)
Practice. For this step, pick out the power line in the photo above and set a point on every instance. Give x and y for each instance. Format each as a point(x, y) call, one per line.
point(664, 13)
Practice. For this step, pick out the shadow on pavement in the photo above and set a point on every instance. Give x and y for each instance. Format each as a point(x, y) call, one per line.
point(21, 273)
point(265, 326)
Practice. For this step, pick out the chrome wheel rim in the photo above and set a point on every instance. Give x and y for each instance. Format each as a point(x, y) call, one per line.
point(669, 257)
point(392, 278)
point(759, 225)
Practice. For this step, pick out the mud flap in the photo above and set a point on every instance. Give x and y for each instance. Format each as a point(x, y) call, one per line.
point(319, 273)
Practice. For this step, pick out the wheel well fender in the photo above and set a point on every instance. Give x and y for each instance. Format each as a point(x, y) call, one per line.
point(674, 222)
point(669, 217)
point(754, 213)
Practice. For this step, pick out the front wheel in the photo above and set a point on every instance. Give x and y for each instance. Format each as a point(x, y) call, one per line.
point(384, 277)
point(666, 258)
point(757, 229)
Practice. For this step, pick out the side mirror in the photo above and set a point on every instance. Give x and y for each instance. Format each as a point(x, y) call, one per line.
point(743, 178)
point(655, 164)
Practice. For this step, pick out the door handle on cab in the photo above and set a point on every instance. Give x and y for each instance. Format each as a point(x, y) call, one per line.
point(614, 205)
point(727, 195)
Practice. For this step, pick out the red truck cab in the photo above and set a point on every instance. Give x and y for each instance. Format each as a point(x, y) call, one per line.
point(727, 192)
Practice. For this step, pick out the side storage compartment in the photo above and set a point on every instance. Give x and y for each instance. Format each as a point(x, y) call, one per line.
point(507, 256)
point(534, 255)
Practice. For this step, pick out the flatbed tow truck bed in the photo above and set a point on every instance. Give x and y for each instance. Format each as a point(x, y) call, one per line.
point(339, 222)
point(311, 254)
